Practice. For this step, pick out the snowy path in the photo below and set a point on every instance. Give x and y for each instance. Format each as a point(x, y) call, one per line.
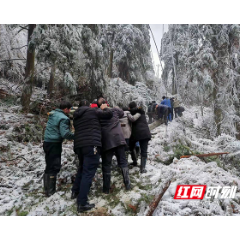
point(21, 191)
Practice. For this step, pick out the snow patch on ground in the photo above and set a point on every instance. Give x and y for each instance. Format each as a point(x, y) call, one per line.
point(21, 187)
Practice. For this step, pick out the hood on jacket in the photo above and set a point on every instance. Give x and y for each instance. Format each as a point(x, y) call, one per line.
point(94, 105)
point(80, 111)
point(125, 113)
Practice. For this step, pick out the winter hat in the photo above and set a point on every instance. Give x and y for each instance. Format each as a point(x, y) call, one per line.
point(132, 105)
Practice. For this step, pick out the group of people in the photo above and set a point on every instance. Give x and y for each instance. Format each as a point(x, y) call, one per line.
point(164, 110)
point(100, 131)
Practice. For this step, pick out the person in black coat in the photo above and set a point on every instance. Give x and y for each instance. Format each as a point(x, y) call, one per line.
point(87, 145)
point(140, 132)
point(151, 111)
point(113, 141)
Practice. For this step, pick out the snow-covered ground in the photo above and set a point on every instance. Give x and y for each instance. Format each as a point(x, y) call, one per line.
point(21, 188)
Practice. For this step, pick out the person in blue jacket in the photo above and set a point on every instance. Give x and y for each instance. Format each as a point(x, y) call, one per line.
point(167, 102)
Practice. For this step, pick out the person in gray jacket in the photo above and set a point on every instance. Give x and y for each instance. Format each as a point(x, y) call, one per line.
point(113, 141)
point(127, 129)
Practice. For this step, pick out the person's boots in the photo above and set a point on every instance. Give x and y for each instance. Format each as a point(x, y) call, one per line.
point(45, 183)
point(49, 184)
point(134, 157)
point(106, 182)
point(74, 195)
point(126, 179)
point(84, 208)
point(137, 151)
point(143, 165)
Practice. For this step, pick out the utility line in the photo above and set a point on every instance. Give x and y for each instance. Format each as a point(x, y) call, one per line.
point(156, 46)
point(174, 67)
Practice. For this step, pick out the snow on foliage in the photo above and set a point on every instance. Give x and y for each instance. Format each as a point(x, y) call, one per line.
point(13, 45)
point(83, 50)
point(120, 93)
point(206, 59)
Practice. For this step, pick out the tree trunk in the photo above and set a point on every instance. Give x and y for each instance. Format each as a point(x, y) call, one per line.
point(216, 107)
point(51, 81)
point(173, 83)
point(110, 64)
point(29, 73)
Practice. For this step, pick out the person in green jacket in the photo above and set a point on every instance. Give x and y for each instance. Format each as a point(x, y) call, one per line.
point(57, 129)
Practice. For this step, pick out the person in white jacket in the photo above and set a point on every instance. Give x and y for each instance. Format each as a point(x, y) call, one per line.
point(126, 129)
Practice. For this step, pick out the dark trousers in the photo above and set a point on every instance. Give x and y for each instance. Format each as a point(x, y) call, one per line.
point(88, 163)
point(143, 146)
point(177, 112)
point(169, 116)
point(107, 158)
point(165, 117)
point(172, 113)
point(52, 157)
point(127, 145)
point(150, 115)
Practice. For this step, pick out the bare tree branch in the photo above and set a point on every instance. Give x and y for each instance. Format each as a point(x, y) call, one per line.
point(9, 60)
point(19, 47)
point(23, 28)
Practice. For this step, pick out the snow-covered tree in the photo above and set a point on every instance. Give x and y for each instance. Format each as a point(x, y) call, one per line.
point(205, 57)
point(90, 53)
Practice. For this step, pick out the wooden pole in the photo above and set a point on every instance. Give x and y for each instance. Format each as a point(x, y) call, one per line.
point(157, 199)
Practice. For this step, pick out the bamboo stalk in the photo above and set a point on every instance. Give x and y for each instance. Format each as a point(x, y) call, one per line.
point(205, 155)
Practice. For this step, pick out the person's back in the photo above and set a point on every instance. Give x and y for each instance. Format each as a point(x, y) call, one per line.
point(162, 110)
point(87, 126)
point(87, 145)
point(150, 112)
point(140, 133)
point(111, 130)
point(126, 129)
point(57, 129)
point(167, 102)
point(150, 107)
point(140, 129)
point(176, 103)
point(177, 108)
point(126, 125)
point(113, 142)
